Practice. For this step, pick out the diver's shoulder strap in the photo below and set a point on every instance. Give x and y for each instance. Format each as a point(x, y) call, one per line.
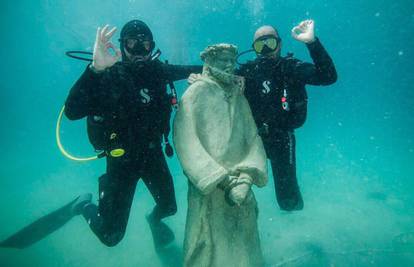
point(287, 65)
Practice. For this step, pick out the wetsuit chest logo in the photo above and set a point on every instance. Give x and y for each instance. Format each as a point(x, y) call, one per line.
point(144, 96)
point(266, 87)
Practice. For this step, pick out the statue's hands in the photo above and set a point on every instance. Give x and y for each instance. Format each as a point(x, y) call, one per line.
point(193, 77)
point(304, 32)
point(102, 57)
point(241, 189)
point(239, 193)
point(227, 182)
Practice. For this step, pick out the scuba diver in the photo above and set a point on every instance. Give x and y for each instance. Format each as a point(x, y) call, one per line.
point(128, 114)
point(275, 89)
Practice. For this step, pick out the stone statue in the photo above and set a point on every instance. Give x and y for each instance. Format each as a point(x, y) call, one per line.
point(222, 155)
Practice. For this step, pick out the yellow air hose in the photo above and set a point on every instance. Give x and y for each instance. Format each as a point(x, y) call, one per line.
point(59, 144)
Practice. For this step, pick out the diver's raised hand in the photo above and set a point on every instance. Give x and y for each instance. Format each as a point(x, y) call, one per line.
point(304, 32)
point(102, 57)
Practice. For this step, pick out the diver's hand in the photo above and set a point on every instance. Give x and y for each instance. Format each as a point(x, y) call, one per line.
point(304, 32)
point(102, 58)
point(193, 77)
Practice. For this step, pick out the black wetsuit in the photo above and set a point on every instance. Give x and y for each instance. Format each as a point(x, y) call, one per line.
point(134, 104)
point(275, 89)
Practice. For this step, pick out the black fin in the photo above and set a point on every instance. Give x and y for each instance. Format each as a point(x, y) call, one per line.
point(41, 228)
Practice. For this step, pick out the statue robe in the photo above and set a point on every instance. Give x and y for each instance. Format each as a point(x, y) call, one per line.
point(214, 134)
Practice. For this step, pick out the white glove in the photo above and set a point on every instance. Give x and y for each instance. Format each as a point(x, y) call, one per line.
point(304, 32)
point(102, 58)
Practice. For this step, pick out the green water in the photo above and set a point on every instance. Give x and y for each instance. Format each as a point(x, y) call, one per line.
point(355, 153)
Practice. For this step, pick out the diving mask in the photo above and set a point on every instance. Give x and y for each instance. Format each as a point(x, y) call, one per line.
point(137, 45)
point(266, 44)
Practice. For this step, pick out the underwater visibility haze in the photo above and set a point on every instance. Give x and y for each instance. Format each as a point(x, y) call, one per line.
point(355, 153)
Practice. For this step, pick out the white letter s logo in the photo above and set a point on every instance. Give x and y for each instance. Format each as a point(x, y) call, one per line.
point(266, 87)
point(145, 98)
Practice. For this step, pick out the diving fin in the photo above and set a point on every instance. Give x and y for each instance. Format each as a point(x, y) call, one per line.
point(46, 225)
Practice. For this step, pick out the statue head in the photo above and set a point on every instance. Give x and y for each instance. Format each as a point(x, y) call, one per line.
point(220, 62)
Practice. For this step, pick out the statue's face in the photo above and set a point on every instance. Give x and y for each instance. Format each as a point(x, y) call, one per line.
point(225, 61)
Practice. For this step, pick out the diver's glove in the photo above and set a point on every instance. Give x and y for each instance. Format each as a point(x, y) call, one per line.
point(102, 56)
point(304, 32)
